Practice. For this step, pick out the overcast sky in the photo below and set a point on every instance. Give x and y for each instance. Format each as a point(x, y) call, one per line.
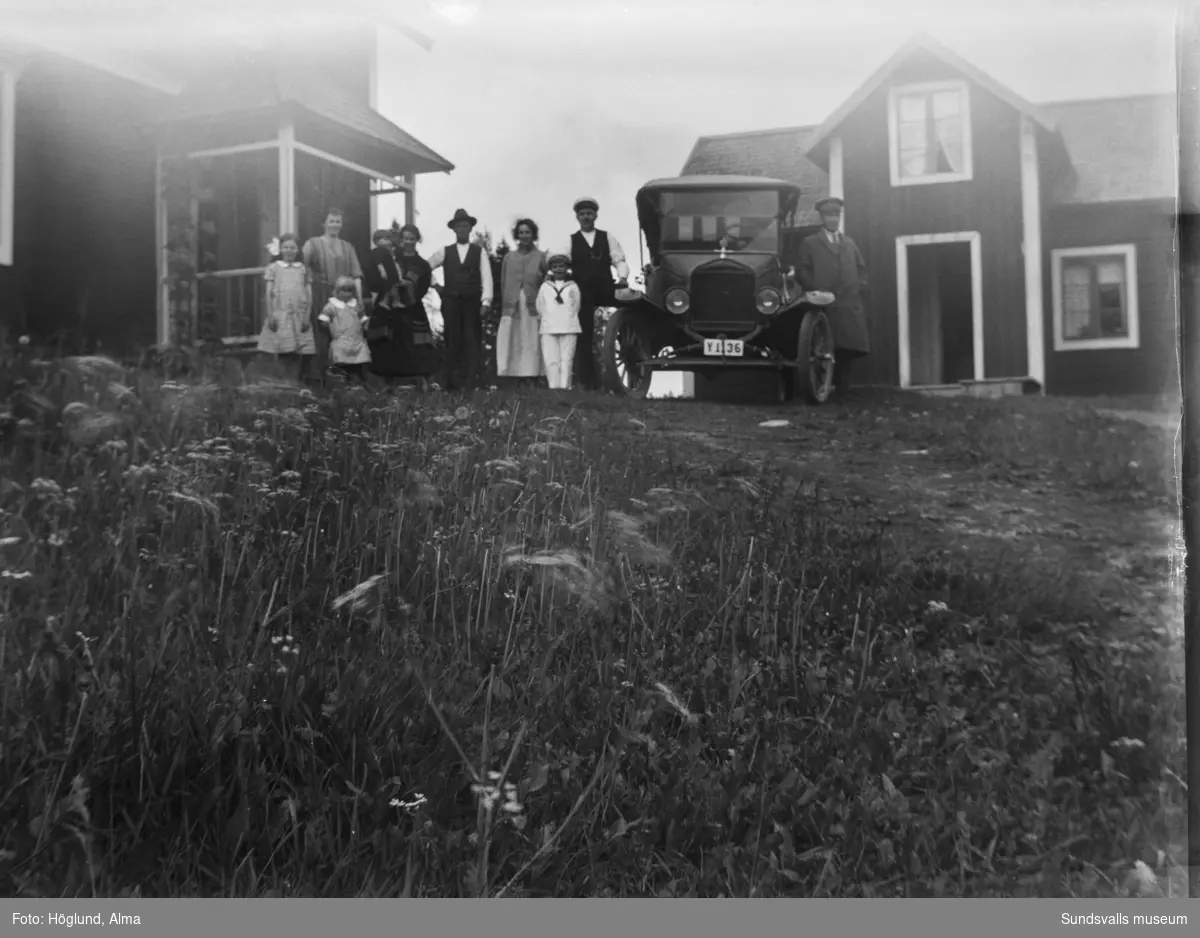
point(537, 102)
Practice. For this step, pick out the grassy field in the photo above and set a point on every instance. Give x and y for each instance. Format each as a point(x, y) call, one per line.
point(255, 641)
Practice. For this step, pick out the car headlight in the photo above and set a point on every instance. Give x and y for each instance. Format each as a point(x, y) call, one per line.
point(767, 301)
point(678, 301)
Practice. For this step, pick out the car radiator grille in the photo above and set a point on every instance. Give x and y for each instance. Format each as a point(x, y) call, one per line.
point(722, 298)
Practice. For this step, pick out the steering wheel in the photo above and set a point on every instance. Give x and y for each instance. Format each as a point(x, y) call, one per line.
point(732, 233)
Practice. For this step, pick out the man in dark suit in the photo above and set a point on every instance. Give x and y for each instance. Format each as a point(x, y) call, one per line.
point(594, 254)
point(466, 301)
point(830, 262)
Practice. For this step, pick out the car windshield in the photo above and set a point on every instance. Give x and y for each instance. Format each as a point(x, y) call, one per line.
point(698, 221)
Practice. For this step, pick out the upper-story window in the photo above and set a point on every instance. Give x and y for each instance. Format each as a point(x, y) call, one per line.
point(929, 130)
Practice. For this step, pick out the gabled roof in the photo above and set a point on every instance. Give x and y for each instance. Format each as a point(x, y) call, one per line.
point(275, 90)
point(777, 153)
point(921, 43)
point(1121, 149)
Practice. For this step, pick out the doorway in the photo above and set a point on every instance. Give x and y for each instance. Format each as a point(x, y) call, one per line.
point(940, 319)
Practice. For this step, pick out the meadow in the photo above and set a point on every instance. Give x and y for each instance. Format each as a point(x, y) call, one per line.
point(261, 641)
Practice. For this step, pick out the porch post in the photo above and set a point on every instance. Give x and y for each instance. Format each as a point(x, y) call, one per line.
point(10, 73)
point(287, 174)
point(1031, 219)
point(837, 179)
point(162, 294)
point(410, 199)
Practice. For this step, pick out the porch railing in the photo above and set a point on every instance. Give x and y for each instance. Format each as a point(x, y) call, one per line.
point(232, 305)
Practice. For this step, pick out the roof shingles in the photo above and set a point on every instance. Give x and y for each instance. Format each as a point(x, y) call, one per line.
point(778, 154)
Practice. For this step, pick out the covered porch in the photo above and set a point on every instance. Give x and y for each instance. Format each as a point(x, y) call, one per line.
point(236, 167)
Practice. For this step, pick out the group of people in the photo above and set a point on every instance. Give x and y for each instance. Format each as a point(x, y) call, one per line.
point(325, 309)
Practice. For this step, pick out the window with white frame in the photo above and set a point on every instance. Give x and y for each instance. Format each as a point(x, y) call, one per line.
point(1095, 297)
point(929, 129)
point(8, 119)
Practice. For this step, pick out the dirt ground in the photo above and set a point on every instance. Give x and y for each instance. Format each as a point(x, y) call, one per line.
point(1131, 552)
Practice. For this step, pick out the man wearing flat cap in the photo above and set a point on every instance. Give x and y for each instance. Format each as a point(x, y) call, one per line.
point(594, 254)
point(830, 262)
point(466, 300)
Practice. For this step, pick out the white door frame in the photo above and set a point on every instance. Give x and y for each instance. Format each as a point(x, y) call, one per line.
point(903, 242)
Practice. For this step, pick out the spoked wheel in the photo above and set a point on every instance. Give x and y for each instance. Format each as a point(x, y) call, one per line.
point(814, 357)
point(626, 345)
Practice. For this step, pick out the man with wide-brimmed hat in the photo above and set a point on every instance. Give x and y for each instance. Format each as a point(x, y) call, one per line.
point(594, 254)
point(466, 300)
point(830, 262)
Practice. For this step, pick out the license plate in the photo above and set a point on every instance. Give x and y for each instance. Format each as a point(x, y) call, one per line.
point(726, 348)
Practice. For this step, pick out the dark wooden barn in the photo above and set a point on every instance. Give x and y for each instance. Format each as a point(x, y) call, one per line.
point(1011, 246)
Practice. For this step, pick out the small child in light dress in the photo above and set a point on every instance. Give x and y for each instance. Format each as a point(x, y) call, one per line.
point(344, 319)
point(287, 331)
point(558, 302)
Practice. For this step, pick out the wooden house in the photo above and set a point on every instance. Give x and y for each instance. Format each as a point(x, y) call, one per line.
point(146, 162)
point(1010, 246)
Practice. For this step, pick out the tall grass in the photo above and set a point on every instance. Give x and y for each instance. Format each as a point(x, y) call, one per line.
point(257, 641)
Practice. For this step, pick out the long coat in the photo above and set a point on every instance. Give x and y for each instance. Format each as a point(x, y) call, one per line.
point(839, 270)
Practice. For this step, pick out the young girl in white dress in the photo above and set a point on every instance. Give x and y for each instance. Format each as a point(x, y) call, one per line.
point(558, 302)
point(344, 320)
point(287, 332)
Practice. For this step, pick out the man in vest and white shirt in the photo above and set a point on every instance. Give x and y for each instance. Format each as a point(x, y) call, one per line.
point(594, 254)
point(466, 301)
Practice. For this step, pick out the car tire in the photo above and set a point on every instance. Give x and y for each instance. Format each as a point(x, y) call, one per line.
point(624, 331)
point(814, 357)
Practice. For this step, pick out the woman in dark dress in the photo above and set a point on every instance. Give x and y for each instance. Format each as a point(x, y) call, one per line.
point(399, 335)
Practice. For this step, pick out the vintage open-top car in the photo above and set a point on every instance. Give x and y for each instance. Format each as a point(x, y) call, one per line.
point(719, 294)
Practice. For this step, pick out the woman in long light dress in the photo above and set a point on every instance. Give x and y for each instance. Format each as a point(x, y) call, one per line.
point(329, 257)
point(518, 339)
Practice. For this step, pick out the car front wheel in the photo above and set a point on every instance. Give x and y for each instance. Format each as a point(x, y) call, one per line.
point(626, 345)
point(814, 357)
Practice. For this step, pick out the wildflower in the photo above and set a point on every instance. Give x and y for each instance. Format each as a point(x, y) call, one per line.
point(120, 391)
point(23, 340)
point(9, 541)
point(57, 539)
point(1144, 877)
point(462, 413)
point(418, 800)
point(43, 486)
point(357, 595)
point(937, 607)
